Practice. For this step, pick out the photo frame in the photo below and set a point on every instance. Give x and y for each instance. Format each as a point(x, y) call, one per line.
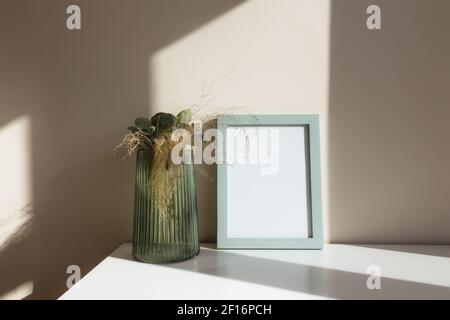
point(269, 182)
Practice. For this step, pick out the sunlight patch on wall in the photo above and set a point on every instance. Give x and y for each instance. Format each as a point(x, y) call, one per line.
point(261, 57)
point(267, 56)
point(20, 292)
point(15, 182)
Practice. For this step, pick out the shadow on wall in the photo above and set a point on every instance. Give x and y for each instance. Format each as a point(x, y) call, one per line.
point(388, 123)
point(81, 90)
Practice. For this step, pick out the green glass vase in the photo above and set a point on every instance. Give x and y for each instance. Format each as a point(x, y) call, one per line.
point(171, 238)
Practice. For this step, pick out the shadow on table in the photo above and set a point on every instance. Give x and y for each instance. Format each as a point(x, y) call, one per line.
point(298, 277)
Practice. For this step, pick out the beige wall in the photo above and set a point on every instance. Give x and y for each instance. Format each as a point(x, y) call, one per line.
point(389, 129)
point(69, 97)
point(66, 98)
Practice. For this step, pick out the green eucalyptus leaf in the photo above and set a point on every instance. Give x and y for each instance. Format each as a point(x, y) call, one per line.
point(150, 130)
point(162, 121)
point(184, 116)
point(142, 123)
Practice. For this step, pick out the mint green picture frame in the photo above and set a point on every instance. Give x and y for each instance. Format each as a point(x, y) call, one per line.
point(316, 239)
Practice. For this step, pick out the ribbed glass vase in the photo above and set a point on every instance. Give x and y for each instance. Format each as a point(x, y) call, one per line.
point(174, 237)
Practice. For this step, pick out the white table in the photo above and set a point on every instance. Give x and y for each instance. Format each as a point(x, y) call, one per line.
point(337, 272)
